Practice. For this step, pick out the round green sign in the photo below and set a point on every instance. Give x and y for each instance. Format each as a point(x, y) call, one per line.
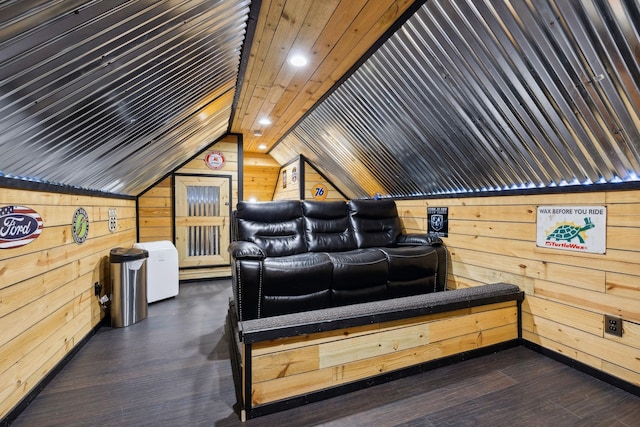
point(80, 225)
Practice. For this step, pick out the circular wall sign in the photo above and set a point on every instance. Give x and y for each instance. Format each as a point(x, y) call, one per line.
point(319, 192)
point(80, 225)
point(214, 160)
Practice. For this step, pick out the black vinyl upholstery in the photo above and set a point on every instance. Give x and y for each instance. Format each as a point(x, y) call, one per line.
point(374, 223)
point(293, 256)
point(327, 227)
point(276, 228)
point(359, 275)
point(295, 283)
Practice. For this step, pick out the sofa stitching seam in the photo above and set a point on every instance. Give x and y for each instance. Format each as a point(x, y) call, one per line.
point(240, 287)
point(260, 291)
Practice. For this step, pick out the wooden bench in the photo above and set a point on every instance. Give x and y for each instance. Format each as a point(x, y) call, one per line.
point(286, 361)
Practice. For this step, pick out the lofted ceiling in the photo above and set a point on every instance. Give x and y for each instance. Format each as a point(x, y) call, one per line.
point(474, 96)
point(333, 34)
point(113, 95)
point(398, 98)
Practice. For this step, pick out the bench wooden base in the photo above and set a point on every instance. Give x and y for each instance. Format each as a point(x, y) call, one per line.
point(281, 372)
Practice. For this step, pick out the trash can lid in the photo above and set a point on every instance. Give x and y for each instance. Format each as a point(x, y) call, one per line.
point(120, 255)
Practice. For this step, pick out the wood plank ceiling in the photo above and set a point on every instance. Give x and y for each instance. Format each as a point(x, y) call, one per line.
point(334, 34)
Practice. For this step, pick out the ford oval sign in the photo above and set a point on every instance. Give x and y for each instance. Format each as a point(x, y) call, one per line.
point(19, 226)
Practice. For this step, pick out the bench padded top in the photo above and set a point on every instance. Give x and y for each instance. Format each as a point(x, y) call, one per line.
point(333, 318)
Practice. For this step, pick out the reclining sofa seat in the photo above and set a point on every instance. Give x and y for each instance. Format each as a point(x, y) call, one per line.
point(292, 256)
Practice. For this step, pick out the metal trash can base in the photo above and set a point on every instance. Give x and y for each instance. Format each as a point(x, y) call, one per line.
point(128, 286)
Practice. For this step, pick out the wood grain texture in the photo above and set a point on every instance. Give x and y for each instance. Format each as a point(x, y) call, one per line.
point(290, 190)
point(314, 363)
point(260, 176)
point(173, 369)
point(47, 299)
point(334, 34)
point(312, 178)
point(156, 206)
point(493, 239)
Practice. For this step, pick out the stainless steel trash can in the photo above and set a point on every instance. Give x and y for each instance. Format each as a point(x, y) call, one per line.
point(128, 286)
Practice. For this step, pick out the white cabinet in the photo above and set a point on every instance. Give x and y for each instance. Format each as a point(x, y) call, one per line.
point(162, 269)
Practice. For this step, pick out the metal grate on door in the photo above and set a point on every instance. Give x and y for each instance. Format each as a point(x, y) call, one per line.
point(203, 240)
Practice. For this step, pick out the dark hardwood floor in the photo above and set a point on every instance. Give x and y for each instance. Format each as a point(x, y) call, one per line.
point(173, 369)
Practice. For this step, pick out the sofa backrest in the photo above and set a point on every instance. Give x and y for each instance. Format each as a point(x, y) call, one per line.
point(374, 223)
point(276, 227)
point(327, 227)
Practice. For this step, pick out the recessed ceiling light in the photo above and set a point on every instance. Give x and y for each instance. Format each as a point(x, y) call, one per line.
point(257, 133)
point(298, 60)
point(265, 121)
point(262, 146)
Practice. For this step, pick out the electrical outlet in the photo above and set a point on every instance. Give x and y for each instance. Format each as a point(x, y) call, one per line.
point(613, 325)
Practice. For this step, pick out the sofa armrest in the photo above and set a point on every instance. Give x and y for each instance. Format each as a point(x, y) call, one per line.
point(419, 239)
point(246, 250)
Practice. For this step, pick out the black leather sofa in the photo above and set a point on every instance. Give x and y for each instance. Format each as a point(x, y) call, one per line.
point(294, 256)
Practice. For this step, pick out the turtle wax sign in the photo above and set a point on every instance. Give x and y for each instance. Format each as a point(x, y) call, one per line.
point(572, 228)
point(19, 226)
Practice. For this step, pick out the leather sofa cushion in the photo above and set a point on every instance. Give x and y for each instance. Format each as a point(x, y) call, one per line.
point(295, 283)
point(246, 250)
point(276, 227)
point(375, 223)
point(409, 262)
point(412, 270)
point(358, 276)
point(405, 288)
point(327, 226)
point(413, 239)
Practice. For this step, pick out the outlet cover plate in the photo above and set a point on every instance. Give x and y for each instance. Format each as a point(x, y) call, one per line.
point(613, 325)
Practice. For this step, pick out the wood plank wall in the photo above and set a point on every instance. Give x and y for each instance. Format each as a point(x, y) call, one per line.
point(155, 213)
point(493, 239)
point(310, 180)
point(292, 189)
point(289, 367)
point(47, 299)
point(155, 206)
point(260, 176)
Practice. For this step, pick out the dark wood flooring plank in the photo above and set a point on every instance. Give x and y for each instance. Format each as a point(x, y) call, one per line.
point(173, 369)
point(420, 398)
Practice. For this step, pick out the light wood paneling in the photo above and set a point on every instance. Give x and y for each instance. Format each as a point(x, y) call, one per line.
point(260, 176)
point(334, 34)
point(492, 239)
point(155, 213)
point(155, 206)
point(290, 191)
point(47, 298)
point(299, 365)
point(164, 383)
point(310, 180)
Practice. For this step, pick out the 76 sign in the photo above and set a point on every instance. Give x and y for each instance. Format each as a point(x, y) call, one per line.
point(319, 192)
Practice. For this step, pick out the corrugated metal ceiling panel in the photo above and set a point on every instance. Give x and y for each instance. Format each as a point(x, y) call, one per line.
point(486, 95)
point(120, 93)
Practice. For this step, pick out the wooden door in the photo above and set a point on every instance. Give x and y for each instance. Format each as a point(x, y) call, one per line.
point(202, 211)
